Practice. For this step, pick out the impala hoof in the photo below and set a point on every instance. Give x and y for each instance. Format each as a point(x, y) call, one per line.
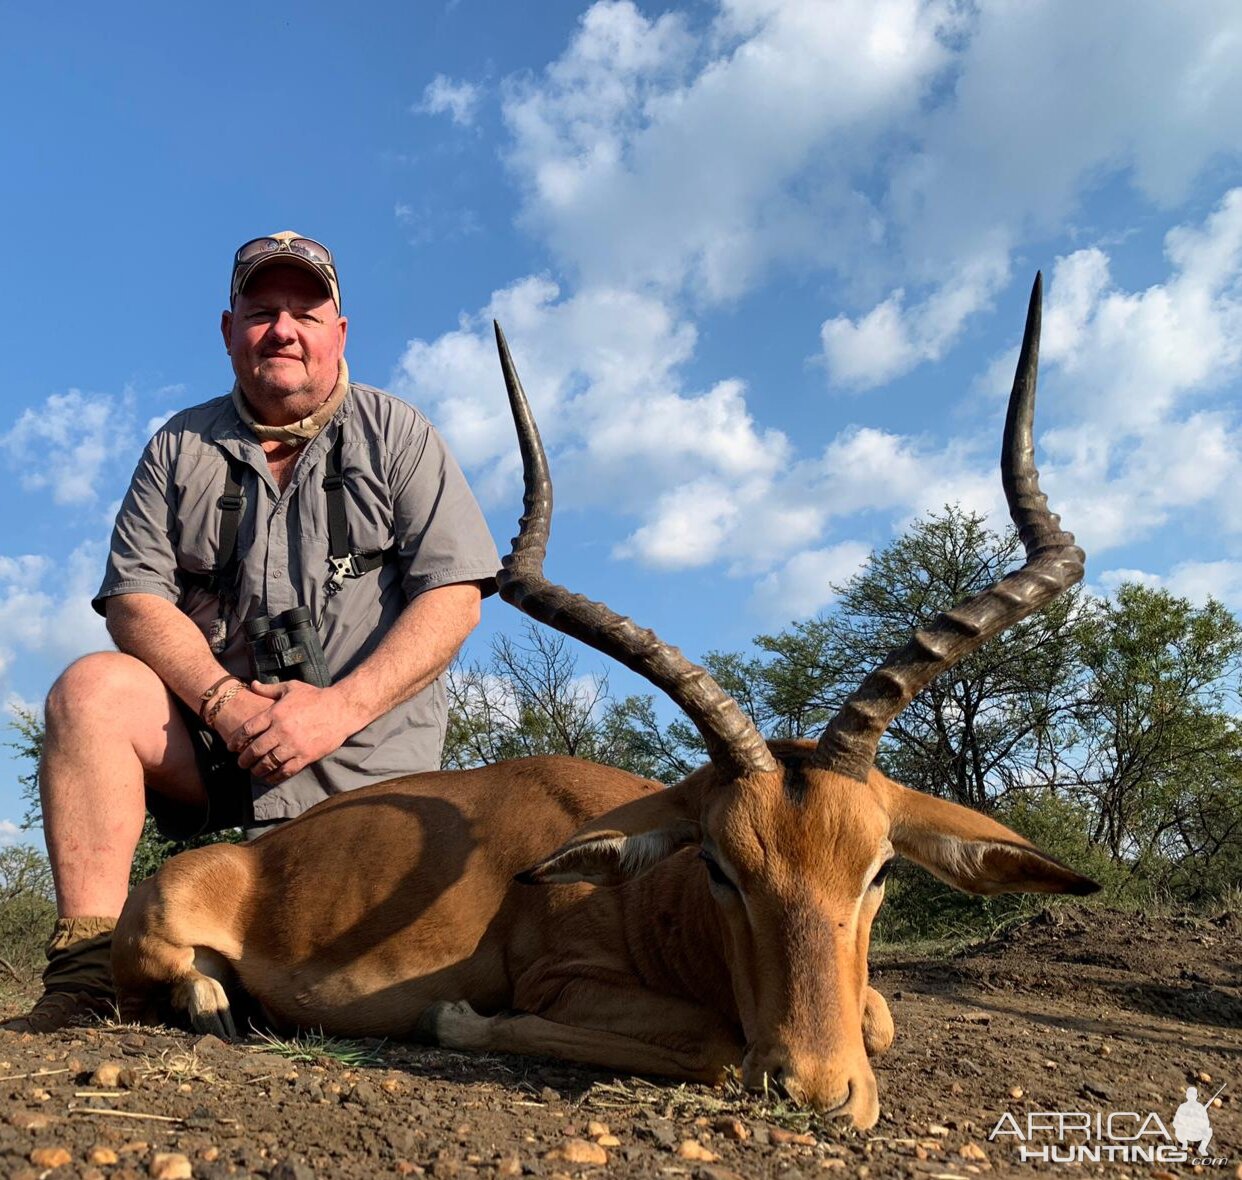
point(452, 1024)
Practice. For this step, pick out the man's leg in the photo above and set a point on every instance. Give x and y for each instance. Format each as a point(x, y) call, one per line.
point(111, 730)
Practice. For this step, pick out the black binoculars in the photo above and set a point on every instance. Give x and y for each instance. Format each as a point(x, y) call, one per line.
point(286, 647)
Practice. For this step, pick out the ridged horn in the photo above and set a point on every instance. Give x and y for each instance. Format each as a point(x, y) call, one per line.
point(1053, 564)
point(733, 743)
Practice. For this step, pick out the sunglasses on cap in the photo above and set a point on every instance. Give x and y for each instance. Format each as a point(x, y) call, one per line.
point(307, 248)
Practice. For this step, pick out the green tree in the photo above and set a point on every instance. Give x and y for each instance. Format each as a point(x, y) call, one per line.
point(1158, 750)
point(985, 728)
point(529, 698)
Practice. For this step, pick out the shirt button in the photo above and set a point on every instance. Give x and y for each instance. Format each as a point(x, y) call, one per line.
point(276, 575)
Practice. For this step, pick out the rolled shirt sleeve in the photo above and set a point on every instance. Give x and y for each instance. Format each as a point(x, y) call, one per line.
point(142, 557)
point(440, 534)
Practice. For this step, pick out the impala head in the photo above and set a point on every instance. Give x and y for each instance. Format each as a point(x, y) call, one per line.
point(795, 837)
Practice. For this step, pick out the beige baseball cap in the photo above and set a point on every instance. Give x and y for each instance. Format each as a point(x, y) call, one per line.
point(288, 248)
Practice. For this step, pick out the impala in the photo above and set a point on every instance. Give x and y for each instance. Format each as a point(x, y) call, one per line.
point(561, 908)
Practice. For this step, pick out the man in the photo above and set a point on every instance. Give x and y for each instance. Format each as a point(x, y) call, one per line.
point(298, 489)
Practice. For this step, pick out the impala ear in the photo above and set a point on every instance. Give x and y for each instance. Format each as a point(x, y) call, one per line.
point(623, 844)
point(973, 853)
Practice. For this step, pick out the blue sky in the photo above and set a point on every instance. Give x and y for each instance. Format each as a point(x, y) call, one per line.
point(762, 264)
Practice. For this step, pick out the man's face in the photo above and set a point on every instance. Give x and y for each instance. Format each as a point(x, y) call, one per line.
point(285, 338)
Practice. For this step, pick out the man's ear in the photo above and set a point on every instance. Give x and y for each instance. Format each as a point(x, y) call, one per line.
point(226, 330)
point(624, 843)
point(971, 852)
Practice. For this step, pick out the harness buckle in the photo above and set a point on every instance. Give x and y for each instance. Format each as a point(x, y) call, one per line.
point(342, 568)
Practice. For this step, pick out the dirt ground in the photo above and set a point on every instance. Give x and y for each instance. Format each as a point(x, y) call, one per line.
point(1077, 1010)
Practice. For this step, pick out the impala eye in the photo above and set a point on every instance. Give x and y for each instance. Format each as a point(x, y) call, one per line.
point(878, 879)
point(714, 871)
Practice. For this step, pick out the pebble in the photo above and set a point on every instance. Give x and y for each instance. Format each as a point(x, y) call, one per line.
point(578, 1151)
point(292, 1170)
point(50, 1157)
point(209, 1155)
point(595, 1130)
point(28, 1120)
point(937, 1129)
point(112, 1074)
point(1016, 1091)
point(170, 1165)
point(782, 1137)
point(608, 1141)
point(732, 1128)
point(1105, 1051)
point(712, 1173)
point(972, 1151)
point(102, 1155)
point(692, 1149)
point(1203, 1076)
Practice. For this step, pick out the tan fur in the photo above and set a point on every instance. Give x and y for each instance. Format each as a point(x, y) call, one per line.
point(393, 911)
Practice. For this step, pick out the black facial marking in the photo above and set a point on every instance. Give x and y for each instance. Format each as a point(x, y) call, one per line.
point(796, 784)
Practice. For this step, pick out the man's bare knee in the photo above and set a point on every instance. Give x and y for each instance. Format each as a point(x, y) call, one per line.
point(115, 698)
point(107, 681)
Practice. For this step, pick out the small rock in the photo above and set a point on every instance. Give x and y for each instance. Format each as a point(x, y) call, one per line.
point(29, 1120)
point(712, 1173)
point(209, 1155)
point(50, 1157)
point(292, 1170)
point(692, 1149)
point(938, 1129)
point(1203, 1076)
point(662, 1133)
point(732, 1128)
point(595, 1130)
point(170, 1165)
point(108, 1075)
point(972, 1151)
point(1050, 1065)
point(763, 1134)
point(608, 1141)
point(210, 1045)
point(134, 1147)
point(102, 1155)
point(781, 1137)
point(547, 1094)
point(509, 1166)
point(578, 1151)
point(957, 1088)
point(1104, 1051)
point(1016, 1091)
point(363, 1094)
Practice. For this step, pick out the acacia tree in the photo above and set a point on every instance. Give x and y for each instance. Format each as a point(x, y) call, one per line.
point(529, 698)
point(1158, 751)
point(987, 727)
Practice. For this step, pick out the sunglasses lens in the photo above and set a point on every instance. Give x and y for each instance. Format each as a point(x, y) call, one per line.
point(256, 249)
point(311, 250)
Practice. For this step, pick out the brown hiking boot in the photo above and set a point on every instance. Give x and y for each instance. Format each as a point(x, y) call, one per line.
point(77, 982)
point(56, 1010)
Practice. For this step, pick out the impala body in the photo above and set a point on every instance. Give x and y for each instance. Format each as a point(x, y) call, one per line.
point(558, 907)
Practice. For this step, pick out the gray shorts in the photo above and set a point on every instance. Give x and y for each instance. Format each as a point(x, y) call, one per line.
point(230, 799)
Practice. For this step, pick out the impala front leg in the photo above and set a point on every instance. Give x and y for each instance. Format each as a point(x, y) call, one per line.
point(697, 1053)
point(877, 1024)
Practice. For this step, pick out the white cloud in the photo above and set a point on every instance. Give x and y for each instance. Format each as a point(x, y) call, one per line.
point(1195, 580)
point(803, 586)
point(10, 833)
point(45, 606)
point(458, 100)
point(652, 152)
point(67, 444)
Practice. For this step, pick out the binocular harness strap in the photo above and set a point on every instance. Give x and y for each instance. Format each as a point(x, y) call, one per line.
point(345, 562)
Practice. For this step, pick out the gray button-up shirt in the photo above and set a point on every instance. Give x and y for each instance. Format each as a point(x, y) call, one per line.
point(402, 489)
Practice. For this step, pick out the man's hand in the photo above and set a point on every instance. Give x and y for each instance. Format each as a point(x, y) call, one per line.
point(298, 725)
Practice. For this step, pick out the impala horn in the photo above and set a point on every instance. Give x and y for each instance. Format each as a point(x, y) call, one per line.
point(734, 744)
point(1053, 564)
